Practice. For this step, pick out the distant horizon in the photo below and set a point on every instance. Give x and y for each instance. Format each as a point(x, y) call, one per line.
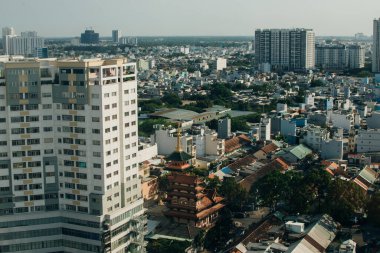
point(188, 18)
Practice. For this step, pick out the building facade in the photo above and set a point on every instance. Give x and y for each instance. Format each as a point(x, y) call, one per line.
point(330, 57)
point(68, 157)
point(116, 34)
point(376, 46)
point(285, 49)
point(89, 37)
point(26, 44)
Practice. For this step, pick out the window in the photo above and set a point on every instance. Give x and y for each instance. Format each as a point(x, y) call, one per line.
point(32, 118)
point(82, 175)
point(106, 107)
point(18, 154)
point(96, 142)
point(31, 130)
point(95, 131)
point(114, 94)
point(98, 177)
point(33, 141)
point(114, 105)
point(95, 108)
point(96, 154)
point(106, 95)
point(17, 119)
point(48, 129)
point(80, 141)
point(46, 95)
point(95, 119)
point(47, 117)
point(18, 142)
point(97, 165)
point(79, 118)
point(95, 95)
point(46, 106)
point(82, 187)
point(18, 130)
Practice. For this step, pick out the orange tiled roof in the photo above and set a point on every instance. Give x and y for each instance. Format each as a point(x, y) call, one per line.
point(269, 148)
point(236, 142)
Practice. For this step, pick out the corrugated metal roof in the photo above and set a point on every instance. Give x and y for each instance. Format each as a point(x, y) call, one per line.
point(300, 151)
point(318, 238)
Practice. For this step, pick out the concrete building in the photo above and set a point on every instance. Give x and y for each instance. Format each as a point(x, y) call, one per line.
point(342, 120)
point(116, 35)
point(207, 143)
point(376, 46)
point(288, 128)
point(330, 57)
point(166, 139)
point(373, 122)
point(314, 137)
point(368, 141)
point(285, 49)
point(355, 56)
point(224, 128)
point(309, 99)
point(221, 64)
point(26, 44)
point(68, 157)
point(89, 37)
point(265, 129)
point(7, 31)
point(332, 149)
point(281, 107)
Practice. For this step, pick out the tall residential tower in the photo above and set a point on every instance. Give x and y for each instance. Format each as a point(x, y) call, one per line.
point(68, 157)
point(376, 46)
point(285, 49)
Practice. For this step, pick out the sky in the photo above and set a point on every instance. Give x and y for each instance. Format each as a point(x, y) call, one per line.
point(68, 18)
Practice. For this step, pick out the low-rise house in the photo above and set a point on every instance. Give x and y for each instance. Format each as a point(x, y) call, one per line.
point(294, 154)
point(366, 178)
point(318, 237)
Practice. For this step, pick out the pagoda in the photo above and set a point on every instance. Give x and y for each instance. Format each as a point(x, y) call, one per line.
point(178, 160)
point(188, 202)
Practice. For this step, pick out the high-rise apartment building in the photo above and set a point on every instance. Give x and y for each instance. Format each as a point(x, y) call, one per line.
point(330, 57)
point(25, 45)
point(339, 57)
point(285, 49)
point(355, 56)
point(68, 157)
point(116, 34)
point(376, 46)
point(7, 31)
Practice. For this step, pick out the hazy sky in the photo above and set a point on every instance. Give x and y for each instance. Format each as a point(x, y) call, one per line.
point(188, 17)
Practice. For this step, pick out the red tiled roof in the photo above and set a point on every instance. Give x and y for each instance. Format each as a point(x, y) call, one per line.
point(236, 142)
point(247, 160)
point(269, 148)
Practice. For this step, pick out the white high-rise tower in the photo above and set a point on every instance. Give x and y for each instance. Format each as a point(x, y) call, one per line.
point(68, 157)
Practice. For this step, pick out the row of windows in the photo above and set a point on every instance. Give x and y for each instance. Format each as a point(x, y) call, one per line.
point(75, 186)
point(33, 246)
point(25, 187)
point(30, 198)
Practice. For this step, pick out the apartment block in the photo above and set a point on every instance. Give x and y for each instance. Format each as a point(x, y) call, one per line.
point(68, 157)
point(285, 49)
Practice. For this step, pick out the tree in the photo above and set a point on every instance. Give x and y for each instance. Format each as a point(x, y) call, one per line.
point(234, 194)
point(172, 100)
point(374, 209)
point(166, 245)
point(344, 199)
point(220, 91)
point(218, 235)
point(239, 124)
point(146, 126)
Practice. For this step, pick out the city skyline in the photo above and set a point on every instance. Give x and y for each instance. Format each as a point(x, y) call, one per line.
point(185, 18)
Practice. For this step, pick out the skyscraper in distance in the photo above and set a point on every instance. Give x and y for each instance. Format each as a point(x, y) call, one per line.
point(376, 46)
point(116, 34)
point(68, 157)
point(7, 31)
